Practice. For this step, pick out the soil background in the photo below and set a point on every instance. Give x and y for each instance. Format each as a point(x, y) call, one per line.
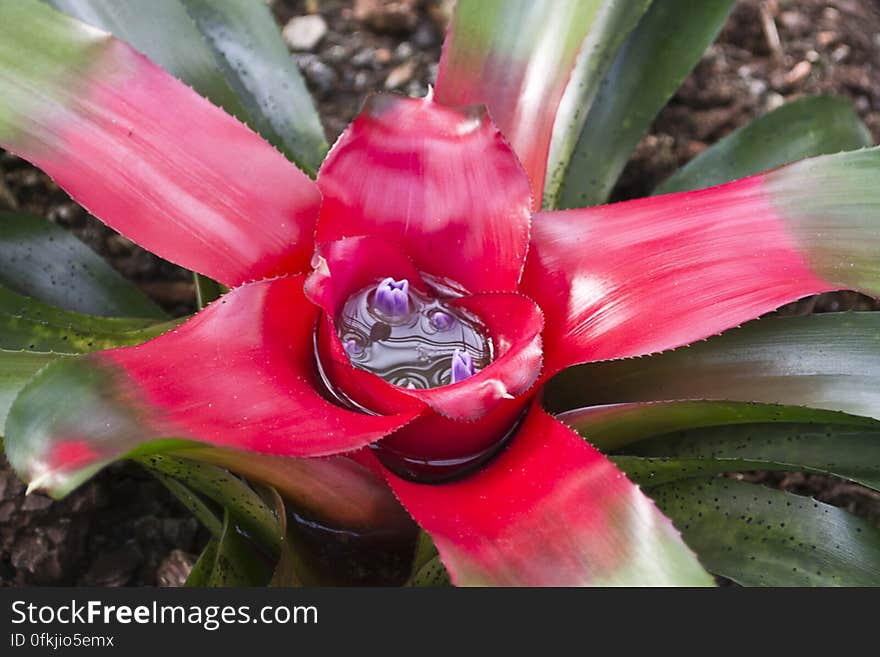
point(123, 528)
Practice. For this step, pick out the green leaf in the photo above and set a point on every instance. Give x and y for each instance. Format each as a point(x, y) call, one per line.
point(194, 504)
point(29, 325)
point(427, 568)
point(614, 426)
point(761, 537)
point(16, 369)
point(259, 67)
point(335, 490)
point(829, 361)
point(247, 509)
point(803, 128)
point(424, 552)
point(229, 561)
point(42, 260)
point(653, 61)
point(614, 21)
point(649, 472)
point(207, 290)
point(431, 574)
point(200, 575)
point(851, 452)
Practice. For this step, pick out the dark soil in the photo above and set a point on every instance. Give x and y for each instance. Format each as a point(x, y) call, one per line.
point(122, 528)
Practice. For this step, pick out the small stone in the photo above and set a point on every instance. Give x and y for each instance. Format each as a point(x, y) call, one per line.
point(113, 568)
point(304, 32)
point(361, 81)
point(36, 502)
point(175, 569)
point(773, 101)
point(798, 74)
point(404, 51)
point(826, 38)
point(425, 35)
point(794, 21)
point(400, 75)
point(415, 89)
point(118, 245)
point(6, 511)
point(383, 55)
point(757, 87)
point(812, 56)
point(392, 16)
point(840, 53)
point(336, 53)
point(322, 77)
point(364, 58)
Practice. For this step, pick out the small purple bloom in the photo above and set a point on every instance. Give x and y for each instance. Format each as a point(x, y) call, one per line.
point(462, 366)
point(392, 298)
point(442, 321)
point(353, 348)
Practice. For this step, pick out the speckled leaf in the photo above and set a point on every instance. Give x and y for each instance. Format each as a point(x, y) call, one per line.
point(829, 361)
point(761, 537)
point(653, 61)
point(851, 452)
point(26, 324)
point(649, 472)
point(807, 127)
point(247, 509)
point(235, 562)
point(193, 503)
point(259, 67)
point(432, 573)
point(42, 260)
point(424, 552)
point(615, 426)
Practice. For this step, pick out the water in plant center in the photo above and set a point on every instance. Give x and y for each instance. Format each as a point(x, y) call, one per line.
point(410, 339)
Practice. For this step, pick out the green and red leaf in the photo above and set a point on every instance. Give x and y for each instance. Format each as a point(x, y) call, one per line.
point(807, 127)
point(653, 274)
point(549, 510)
point(650, 65)
point(516, 58)
point(235, 375)
point(193, 184)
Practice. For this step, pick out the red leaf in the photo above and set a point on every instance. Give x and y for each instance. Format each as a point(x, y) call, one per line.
point(151, 158)
point(643, 276)
point(441, 183)
point(549, 511)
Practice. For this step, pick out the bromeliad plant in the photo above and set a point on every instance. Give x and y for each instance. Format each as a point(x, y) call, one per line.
point(395, 330)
